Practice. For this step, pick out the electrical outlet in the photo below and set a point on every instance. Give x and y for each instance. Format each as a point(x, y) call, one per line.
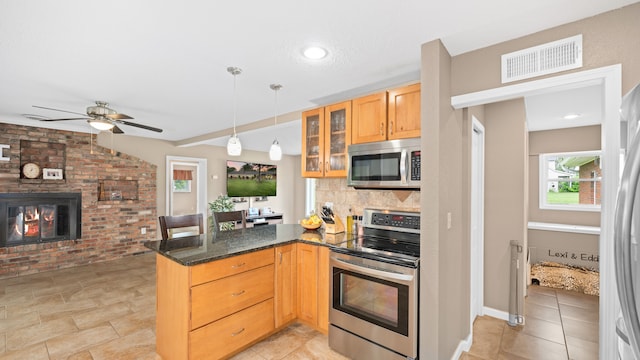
point(143, 230)
point(449, 220)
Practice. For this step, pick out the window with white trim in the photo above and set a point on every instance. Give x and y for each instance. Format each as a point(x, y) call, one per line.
point(310, 196)
point(571, 181)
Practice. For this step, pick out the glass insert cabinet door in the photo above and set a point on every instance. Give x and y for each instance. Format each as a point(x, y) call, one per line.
point(326, 136)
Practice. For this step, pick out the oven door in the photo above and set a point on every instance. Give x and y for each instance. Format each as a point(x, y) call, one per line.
point(376, 301)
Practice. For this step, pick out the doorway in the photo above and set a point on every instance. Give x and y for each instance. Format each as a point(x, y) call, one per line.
point(610, 79)
point(186, 186)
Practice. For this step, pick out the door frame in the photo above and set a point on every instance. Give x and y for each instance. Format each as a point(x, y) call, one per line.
point(476, 278)
point(610, 78)
point(201, 187)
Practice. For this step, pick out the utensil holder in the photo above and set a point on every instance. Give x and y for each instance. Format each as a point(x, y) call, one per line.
point(335, 228)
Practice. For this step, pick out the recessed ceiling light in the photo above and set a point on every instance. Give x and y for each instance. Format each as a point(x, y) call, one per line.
point(571, 116)
point(314, 53)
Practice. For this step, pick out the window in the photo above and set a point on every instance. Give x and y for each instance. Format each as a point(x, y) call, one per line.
point(310, 196)
point(181, 185)
point(571, 181)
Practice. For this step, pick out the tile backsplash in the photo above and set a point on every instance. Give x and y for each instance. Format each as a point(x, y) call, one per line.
point(344, 198)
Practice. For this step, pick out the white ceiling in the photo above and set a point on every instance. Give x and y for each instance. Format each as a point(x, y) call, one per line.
point(164, 62)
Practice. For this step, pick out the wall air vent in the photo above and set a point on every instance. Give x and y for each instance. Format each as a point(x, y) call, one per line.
point(543, 59)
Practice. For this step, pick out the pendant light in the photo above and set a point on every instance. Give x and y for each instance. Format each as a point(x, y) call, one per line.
point(275, 152)
point(234, 147)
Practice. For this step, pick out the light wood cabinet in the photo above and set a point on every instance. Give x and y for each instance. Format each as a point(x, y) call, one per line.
point(404, 112)
point(394, 114)
point(326, 134)
point(227, 302)
point(226, 336)
point(307, 307)
point(285, 284)
point(324, 281)
point(369, 121)
point(313, 285)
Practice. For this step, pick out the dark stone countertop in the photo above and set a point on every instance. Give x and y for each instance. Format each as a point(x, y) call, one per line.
point(193, 250)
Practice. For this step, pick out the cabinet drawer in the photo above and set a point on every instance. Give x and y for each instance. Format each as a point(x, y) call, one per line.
point(229, 334)
point(217, 299)
point(230, 266)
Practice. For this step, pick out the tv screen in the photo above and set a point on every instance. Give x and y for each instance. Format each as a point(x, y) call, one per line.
point(246, 179)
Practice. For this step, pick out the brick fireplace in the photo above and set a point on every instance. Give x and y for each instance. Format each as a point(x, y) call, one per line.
point(32, 218)
point(109, 226)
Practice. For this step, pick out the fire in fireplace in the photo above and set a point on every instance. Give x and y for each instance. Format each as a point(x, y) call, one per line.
point(27, 218)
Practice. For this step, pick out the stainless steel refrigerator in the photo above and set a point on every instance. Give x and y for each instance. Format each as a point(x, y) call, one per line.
point(627, 231)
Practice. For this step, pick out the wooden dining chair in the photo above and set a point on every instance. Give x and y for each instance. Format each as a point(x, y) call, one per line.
point(220, 218)
point(181, 225)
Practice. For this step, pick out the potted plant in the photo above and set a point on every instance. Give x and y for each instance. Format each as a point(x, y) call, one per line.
point(222, 204)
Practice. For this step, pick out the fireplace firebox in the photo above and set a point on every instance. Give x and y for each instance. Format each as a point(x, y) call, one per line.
point(31, 218)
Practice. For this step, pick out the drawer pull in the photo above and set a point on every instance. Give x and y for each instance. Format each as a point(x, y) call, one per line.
point(238, 265)
point(237, 332)
point(238, 294)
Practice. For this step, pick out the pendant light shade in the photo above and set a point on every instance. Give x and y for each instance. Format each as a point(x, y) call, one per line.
point(275, 152)
point(234, 146)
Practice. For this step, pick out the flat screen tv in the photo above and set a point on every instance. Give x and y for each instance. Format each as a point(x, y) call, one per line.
point(245, 179)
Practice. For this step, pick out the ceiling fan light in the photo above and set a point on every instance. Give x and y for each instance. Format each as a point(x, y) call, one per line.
point(275, 152)
point(101, 125)
point(234, 147)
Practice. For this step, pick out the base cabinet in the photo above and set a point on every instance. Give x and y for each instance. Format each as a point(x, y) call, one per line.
point(285, 284)
point(324, 282)
point(228, 335)
point(215, 309)
point(211, 310)
point(313, 285)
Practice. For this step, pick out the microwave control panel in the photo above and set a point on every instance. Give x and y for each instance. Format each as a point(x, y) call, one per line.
point(415, 165)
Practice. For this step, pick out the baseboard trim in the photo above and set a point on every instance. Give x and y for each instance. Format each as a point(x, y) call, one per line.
point(498, 314)
point(463, 345)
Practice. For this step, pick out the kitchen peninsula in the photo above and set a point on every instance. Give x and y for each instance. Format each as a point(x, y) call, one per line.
point(218, 294)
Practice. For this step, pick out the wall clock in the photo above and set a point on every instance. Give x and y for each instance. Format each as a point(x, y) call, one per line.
point(31, 170)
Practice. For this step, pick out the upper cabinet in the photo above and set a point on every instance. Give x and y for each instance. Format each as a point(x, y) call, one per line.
point(404, 112)
point(394, 114)
point(326, 134)
point(369, 122)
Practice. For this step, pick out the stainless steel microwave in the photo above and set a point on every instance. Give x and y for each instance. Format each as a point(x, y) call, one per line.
point(392, 164)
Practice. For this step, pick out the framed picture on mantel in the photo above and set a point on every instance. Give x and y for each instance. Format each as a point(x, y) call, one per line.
point(52, 174)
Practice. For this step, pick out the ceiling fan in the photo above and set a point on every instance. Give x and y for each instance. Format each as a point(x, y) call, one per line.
point(100, 117)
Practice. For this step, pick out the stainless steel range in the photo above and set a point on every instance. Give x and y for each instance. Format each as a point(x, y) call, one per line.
point(374, 289)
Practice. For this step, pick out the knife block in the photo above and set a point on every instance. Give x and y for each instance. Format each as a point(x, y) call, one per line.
point(335, 228)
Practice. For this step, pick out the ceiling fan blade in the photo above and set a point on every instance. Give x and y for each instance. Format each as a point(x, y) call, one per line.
point(65, 119)
point(117, 130)
point(47, 108)
point(141, 126)
point(118, 116)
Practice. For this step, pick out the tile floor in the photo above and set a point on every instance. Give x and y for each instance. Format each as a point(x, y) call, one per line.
point(107, 311)
point(560, 324)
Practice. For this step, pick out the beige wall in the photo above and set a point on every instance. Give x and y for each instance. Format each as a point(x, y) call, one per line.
point(290, 191)
point(444, 252)
point(609, 38)
point(506, 174)
point(543, 244)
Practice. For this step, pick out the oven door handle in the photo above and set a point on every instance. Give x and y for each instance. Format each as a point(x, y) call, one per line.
point(385, 275)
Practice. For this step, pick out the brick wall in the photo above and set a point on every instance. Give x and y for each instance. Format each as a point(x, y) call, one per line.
point(111, 229)
point(590, 191)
